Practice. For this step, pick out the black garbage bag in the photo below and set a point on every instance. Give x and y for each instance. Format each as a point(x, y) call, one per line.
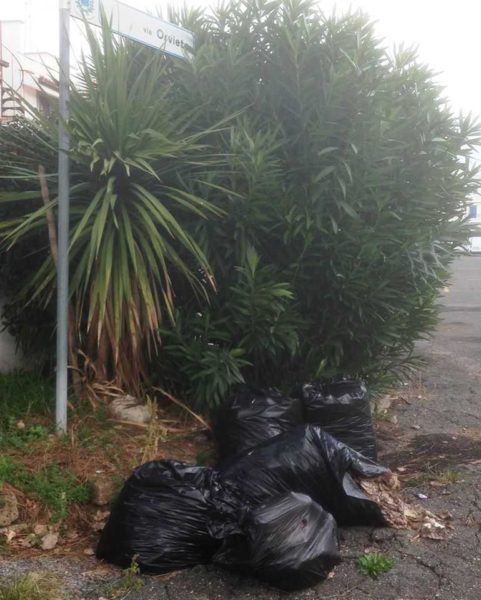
point(341, 407)
point(161, 516)
point(249, 417)
point(290, 542)
point(309, 461)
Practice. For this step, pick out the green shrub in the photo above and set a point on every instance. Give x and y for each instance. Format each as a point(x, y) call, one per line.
point(242, 335)
point(346, 172)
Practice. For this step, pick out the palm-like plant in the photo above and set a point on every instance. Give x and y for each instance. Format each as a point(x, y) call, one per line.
point(132, 175)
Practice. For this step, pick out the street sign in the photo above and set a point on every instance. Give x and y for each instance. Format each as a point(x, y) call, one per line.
point(135, 24)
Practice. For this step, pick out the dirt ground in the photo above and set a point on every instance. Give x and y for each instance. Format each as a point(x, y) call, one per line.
point(432, 433)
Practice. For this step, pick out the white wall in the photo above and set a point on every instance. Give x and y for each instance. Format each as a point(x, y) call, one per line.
point(25, 69)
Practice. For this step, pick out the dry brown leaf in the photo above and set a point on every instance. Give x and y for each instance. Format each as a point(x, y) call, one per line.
point(10, 535)
point(400, 514)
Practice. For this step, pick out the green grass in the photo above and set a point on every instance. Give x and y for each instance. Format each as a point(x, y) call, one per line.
point(22, 438)
point(31, 586)
point(51, 486)
point(8, 469)
point(440, 476)
point(24, 394)
point(57, 489)
point(373, 565)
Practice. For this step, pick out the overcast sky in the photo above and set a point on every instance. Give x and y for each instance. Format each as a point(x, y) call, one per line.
point(447, 33)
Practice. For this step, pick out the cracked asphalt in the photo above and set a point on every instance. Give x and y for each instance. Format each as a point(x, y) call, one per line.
point(433, 427)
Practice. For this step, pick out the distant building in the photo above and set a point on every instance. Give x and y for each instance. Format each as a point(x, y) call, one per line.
point(30, 75)
point(474, 215)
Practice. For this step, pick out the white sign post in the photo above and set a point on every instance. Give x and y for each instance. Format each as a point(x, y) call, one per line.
point(127, 22)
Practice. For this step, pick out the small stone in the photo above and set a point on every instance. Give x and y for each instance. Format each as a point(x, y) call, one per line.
point(383, 535)
point(10, 535)
point(89, 552)
point(384, 403)
point(416, 427)
point(40, 529)
point(103, 490)
point(101, 515)
point(127, 408)
point(20, 425)
point(393, 420)
point(49, 541)
point(8, 509)
point(26, 542)
point(422, 496)
point(71, 535)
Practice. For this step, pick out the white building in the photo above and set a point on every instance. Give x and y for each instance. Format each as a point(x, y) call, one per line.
point(30, 75)
point(474, 214)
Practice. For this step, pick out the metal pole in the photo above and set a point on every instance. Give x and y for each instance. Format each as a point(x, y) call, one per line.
point(63, 221)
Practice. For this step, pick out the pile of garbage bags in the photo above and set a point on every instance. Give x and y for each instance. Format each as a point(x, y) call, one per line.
point(273, 506)
point(340, 406)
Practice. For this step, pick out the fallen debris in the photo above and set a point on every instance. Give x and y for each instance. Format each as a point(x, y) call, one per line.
point(385, 491)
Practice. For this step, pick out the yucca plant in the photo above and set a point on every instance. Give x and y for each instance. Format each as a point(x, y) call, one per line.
point(134, 163)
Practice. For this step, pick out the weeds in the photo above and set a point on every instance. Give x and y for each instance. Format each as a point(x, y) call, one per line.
point(51, 486)
point(57, 490)
point(14, 433)
point(434, 476)
point(130, 582)
point(23, 393)
point(31, 586)
point(373, 565)
point(8, 469)
point(155, 432)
